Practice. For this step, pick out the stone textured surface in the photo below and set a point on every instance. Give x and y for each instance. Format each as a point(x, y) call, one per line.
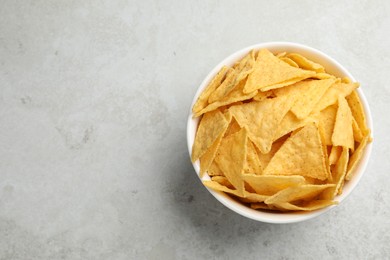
point(94, 97)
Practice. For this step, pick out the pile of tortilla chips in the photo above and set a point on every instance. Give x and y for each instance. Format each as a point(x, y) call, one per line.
point(277, 132)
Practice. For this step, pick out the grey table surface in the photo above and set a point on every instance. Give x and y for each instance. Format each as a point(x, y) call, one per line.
point(94, 97)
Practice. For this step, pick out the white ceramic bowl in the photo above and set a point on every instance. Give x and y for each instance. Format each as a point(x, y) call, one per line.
point(332, 67)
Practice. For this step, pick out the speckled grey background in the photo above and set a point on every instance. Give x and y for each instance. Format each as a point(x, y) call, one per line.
point(94, 97)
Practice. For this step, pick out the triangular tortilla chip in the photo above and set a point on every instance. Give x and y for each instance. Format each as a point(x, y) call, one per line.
point(343, 132)
point(302, 154)
point(311, 92)
point(261, 119)
point(357, 111)
point(355, 158)
point(202, 101)
point(290, 123)
point(223, 181)
point(335, 154)
point(233, 127)
point(252, 164)
point(357, 133)
point(210, 128)
point(326, 122)
point(269, 185)
point(305, 63)
point(214, 170)
point(266, 158)
point(289, 62)
point(270, 71)
point(302, 192)
point(241, 71)
point(234, 96)
point(231, 158)
point(260, 96)
point(332, 94)
point(308, 206)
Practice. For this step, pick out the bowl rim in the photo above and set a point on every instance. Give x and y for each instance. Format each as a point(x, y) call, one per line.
point(273, 217)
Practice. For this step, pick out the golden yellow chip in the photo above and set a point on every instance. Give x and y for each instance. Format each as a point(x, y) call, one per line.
point(233, 97)
point(327, 121)
point(335, 154)
point(260, 96)
point(302, 192)
point(311, 92)
point(343, 132)
point(308, 206)
point(233, 77)
point(289, 61)
point(202, 101)
point(356, 156)
point(357, 133)
point(231, 158)
point(332, 94)
point(269, 185)
point(270, 71)
point(223, 181)
point(252, 164)
point(305, 63)
point(266, 158)
point(340, 171)
point(260, 205)
point(302, 154)
point(210, 128)
point(233, 127)
point(322, 75)
point(290, 123)
point(261, 119)
point(214, 170)
point(208, 157)
point(357, 111)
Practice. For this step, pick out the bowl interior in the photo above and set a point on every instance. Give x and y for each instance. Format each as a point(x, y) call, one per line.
point(332, 67)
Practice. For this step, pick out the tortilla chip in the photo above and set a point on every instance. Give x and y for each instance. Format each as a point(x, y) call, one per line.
point(332, 94)
point(355, 158)
point(322, 75)
point(223, 181)
point(289, 61)
point(357, 111)
point(260, 96)
point(261, 119)
point(210, 128)
point(326, 122)
point(343, 133)
point(214, 170)
point(252, 164)
point(335, 154)
point(308, 206)
point(231, 158)
point(270, 70)
point(357, 133)
point(240, 72)
point(290, 123)
point(233, 127)
point(233, 97)
point(266, 158)
point(311, 92)
point(305, 63)
point(208, 157)
point(302, 154)
point(269, 185)
point(202, 101)
point(302, 192)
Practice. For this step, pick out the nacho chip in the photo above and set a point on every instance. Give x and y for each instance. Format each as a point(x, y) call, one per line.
point(289, 62)
point(252, 164)
point(302, 154)
point(323, 75)
point(202, 101)
point(332, 94)
point(208, 157)
point(308, 206)
point(311, 92)
point(357, 111)
point(261, 119)
point(327, 121)
point(340, 171)
point(233, 97)
point(335, 154)
point(303, 192)
point(270, 71)
point(233, 127)
point(231, 158)
point(223, 181)
point(240, 72)
point(269, 185)
point(357, 133)
point(305, 63)
point(210, 128)
point(343, 133)
point(266, 158)
point(260, 96)
point(260, 205)
point(290, 123)
point(355, 158)
point(214, 170)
